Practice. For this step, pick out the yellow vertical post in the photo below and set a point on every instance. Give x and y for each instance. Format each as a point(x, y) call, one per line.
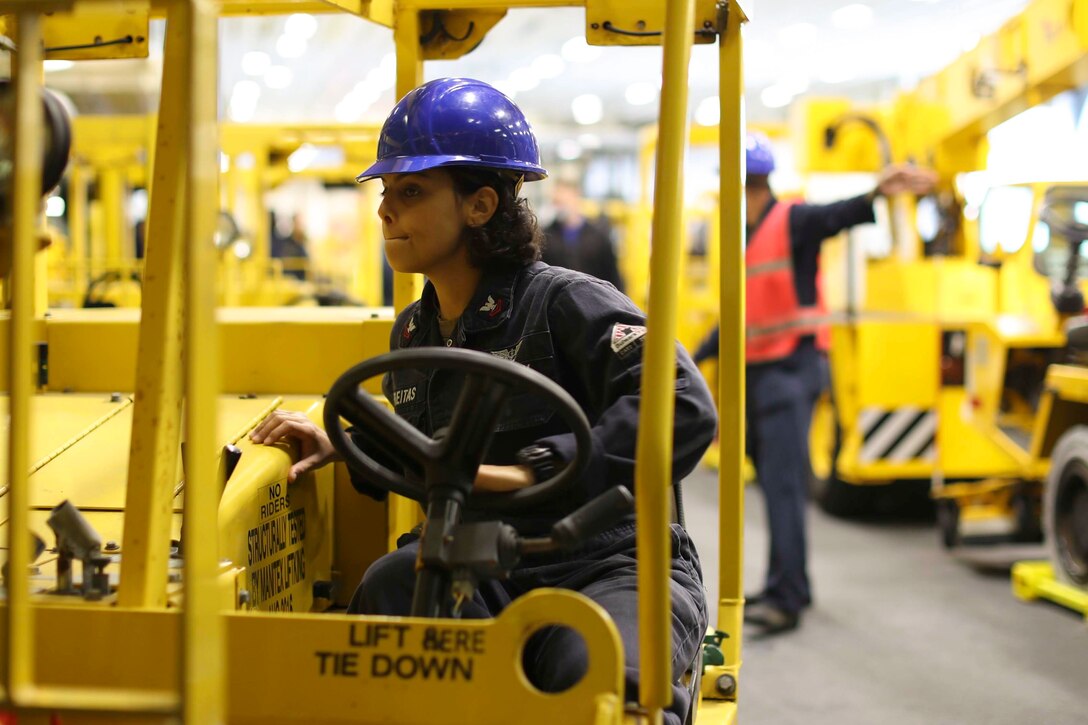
point(26, 197)
point(407, 287)
point(111, 190)
point(156, 417)
point(41, 271)
point(203, 639)
point(368, 284)
point(731, 345)
point(653, 473)
point(404, 513)
point(77, 226)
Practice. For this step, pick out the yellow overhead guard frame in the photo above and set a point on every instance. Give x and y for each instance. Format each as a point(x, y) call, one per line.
point(173, 364)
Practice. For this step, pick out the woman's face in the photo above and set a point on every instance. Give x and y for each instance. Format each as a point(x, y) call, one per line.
point(422, 222)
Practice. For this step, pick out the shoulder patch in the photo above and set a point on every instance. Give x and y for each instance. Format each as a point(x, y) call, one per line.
point(625, 338)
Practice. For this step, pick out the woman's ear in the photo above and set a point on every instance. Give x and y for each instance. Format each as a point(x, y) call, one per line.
point(480, 206)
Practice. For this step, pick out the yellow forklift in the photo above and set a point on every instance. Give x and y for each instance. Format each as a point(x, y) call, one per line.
point(203, 583)
point(899, 414)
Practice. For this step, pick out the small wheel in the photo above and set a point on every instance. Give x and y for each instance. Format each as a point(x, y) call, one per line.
point(831, 493)
point(488, 382)
point(948, 522)
point(1065, 507)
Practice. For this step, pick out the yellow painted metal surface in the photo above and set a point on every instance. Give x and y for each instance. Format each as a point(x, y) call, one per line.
point(280, 535)
point(99, 29)
point(94, 350)
point(348, 669)
point(19, 624)
point(641, 22)
point(1033, 580)
point(157, 418)
point(731, 368)
point(1068, 382)
point(58, 422)
point(653, 472)
point(427, 668)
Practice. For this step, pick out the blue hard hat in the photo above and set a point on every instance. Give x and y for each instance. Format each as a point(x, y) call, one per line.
point(456, 122)
point(759, 158)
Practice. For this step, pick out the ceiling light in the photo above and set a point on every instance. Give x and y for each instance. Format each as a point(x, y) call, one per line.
point(548, 65)
point(587, 109)
point(798, 34)
point(568, 149)
point(589, 140)
point(796, 83)
point(577, 50)
point(300, 25)
point(242, 249)
point(776, 96)
point(303, 156)
point(54, 207)
point(852, 17)
point(837, 74)
point(641, 93)
point(709, 111)
point(278, 77)
point(523, 79)
point(255, 63)
point(52, 66)
point(290, 46)
point(243, 101)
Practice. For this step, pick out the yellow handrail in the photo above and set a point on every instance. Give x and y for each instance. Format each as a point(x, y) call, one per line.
point(156, 415)
point(653, 471)
point(26, 197)
point(204, 645)
point(731, 344)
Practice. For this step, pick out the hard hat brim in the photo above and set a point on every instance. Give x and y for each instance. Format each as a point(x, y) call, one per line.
point(416, 164)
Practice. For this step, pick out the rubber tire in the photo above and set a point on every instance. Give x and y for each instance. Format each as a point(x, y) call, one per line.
point(1065, 504)
point(948, 522)
point(831, 493)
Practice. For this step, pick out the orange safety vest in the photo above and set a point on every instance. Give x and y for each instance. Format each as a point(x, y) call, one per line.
point(775, 320)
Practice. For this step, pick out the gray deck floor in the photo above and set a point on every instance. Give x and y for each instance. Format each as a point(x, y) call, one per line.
point(900, 632)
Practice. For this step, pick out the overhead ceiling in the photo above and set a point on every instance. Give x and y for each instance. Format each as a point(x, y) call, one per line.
point(341, 68)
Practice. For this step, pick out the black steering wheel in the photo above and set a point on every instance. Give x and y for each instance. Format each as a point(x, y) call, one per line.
point(488, 382)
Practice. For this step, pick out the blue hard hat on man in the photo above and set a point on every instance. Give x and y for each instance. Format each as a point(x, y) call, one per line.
point(456, 122)
point(759, 157)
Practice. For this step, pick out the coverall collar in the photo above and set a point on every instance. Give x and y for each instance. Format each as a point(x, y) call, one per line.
point(490, 304)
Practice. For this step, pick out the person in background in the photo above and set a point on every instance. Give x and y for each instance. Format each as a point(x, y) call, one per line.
point(452, 158)
point(577, 243)
point(291, 247)
point(785, 363)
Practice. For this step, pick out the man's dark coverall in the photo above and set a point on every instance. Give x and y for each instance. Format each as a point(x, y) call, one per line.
point(587, 248)
point(780, 398)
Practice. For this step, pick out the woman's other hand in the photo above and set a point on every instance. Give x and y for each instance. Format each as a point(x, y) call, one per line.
point(497, 479)
point(315, 449)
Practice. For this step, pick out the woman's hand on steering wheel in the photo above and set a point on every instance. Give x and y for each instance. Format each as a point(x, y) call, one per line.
point(315, 449)
point(498, 479)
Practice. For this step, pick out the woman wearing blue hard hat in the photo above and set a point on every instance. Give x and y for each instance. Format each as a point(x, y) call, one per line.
point(452, 157)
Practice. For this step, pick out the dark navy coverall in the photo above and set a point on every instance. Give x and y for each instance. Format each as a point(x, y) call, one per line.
point(780, 398)
point(587, 336)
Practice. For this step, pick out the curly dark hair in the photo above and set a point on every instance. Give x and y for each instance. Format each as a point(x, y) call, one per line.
point(512, 236)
